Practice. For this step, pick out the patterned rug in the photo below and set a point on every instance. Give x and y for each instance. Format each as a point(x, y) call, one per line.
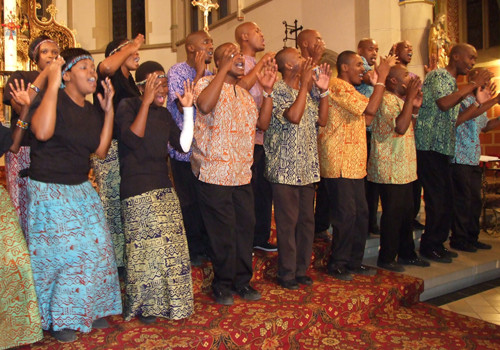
point(379, 312)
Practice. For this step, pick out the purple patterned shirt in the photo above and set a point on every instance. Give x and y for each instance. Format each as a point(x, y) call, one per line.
point(176, 76)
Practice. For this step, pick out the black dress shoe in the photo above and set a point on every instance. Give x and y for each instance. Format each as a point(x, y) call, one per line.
point(463, 246)
point(306, 280)
point(374, 230)
point(435, 255)
point(481, 245)
point(413, 261)
point(223, 297)
point(147, 319)
point(448, 253)
point(362, 270)
point(340, 273)
point(289, 284)
point(391, 266)
point(248, 293)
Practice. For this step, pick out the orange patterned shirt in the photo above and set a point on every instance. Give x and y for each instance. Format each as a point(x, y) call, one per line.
point(393, 157)
point(224, 138)
point(342, 142)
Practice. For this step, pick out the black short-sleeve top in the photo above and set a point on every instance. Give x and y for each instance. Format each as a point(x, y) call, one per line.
point(28, 77)
point(143, 160)
point(64, 158)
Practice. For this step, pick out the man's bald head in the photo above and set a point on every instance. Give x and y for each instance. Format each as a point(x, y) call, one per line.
point(460, 49)
point(345, 57)
point(283, 56)
point(368, 48)
point(243, 28)
point(308, 41)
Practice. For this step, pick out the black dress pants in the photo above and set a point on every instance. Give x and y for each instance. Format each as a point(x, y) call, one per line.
point(466, 185)
point(349, 213)
point(433, 170)
point(396, 223)
point(228, 214)
point(322, 208)
point(185, 187)
point(294, 213)
point(263, 199)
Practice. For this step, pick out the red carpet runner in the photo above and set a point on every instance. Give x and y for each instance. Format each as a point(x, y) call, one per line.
point(380, 312)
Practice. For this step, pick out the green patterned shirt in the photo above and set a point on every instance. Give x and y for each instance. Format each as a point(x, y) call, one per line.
point(291, 149)
point(435, 129)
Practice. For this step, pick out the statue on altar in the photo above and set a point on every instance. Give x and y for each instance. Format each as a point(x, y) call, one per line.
point(439, 43)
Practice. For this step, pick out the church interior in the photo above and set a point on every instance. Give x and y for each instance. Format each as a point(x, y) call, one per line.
point(444, 306)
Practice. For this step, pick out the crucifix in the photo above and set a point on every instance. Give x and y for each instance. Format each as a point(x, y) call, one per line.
point(206, 6)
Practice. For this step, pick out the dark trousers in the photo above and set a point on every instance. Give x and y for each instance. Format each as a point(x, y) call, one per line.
point(466, 184)
point(396, 223)
point(322, 208)
point(434, 173)
point(349, 213)
point(229, 219)
point(417, 197)
point(372, 196)
point(185, 186)
point(263, 199)
point(294, 214)
point(371, 191)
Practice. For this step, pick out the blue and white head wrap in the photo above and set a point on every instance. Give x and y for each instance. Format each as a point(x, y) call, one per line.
point(71, 63)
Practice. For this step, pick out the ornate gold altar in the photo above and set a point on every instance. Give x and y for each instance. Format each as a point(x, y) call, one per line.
point(32, 19)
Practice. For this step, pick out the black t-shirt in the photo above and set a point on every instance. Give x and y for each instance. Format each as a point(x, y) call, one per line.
point(143, 160)
point(64, 158)
point(28, 77)
point(124, 87)
point(5, 139)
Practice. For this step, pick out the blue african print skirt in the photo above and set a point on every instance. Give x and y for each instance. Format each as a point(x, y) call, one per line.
point(158, 270)
point(72, 256)
point(107, 178)
point(19, 315)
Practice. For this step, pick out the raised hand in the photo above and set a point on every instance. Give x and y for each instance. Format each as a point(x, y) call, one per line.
point(199, 62)
point(138, 41)
point(268, 75)
point(54, 71)
point(482, 77)
point(151, 88)
point(306, 73)
point(227, 58)
point(317, 51)
point(187, 99)
point(413, 88)
point(432, 64)
point(106, 102)
point(20, 93)
point(386, 63)
point(322, 79)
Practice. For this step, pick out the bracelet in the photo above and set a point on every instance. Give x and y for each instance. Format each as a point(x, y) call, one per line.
point(478, 105)
point(22, 125)
point(35, 88)
point(324, 94)
point(266, 95)
point(472, 82)
point(414, 116)
point(380, 84)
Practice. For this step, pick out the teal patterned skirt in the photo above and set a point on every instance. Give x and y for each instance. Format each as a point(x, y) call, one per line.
point(158, 270)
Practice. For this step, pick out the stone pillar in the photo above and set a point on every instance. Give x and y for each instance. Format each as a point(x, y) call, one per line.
point(10, 21)
point(416, 19)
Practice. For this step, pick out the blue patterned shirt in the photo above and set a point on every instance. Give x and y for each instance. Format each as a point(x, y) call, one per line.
point(365, 89)
point(176, 77)
point(435, 129)
point(291, 149)
point(467, 145)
